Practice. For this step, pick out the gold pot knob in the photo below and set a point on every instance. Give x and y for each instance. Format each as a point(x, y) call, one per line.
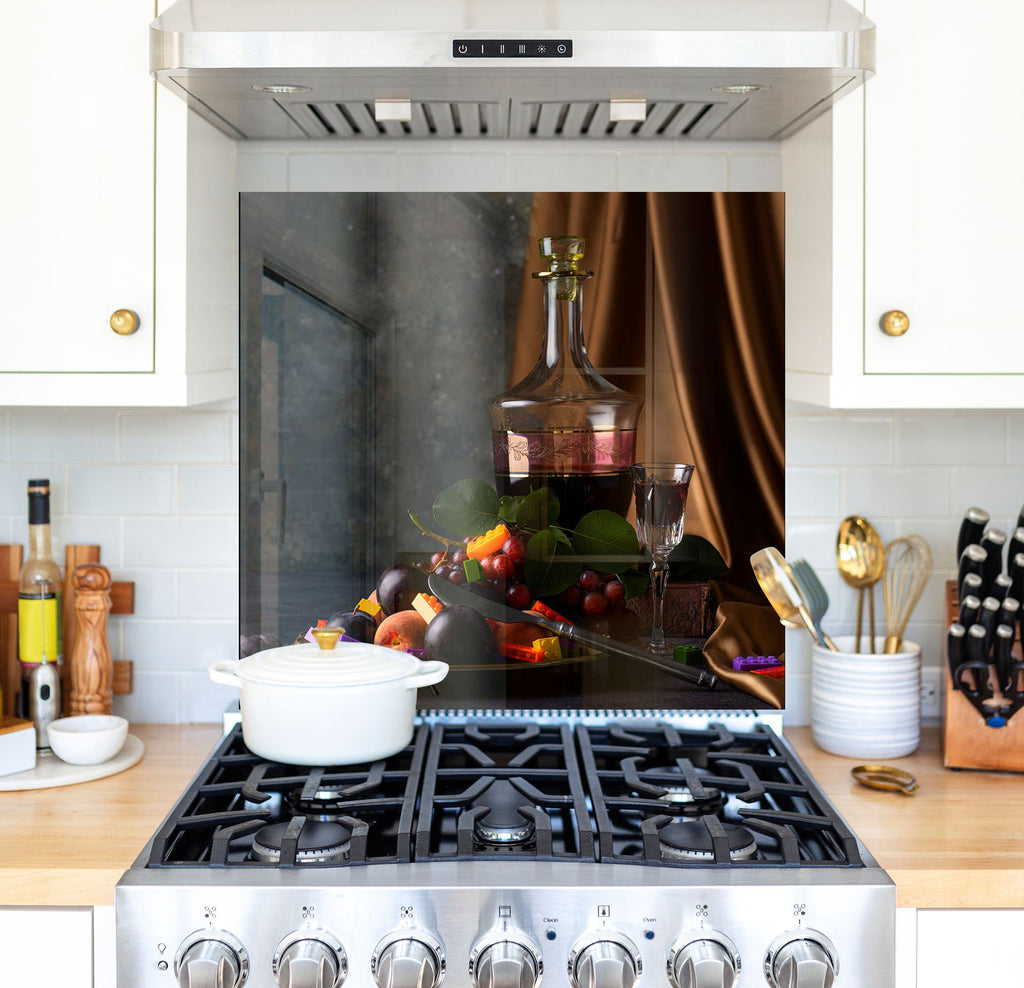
point(895, 323)
point(124, 322)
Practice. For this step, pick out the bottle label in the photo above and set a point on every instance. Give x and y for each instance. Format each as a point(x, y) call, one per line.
point(39, 629)
point(563, 452)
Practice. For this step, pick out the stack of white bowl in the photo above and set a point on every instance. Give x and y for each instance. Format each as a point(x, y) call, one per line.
point(866, 706)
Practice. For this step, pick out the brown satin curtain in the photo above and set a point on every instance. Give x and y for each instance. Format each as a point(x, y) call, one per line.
point(698, 278)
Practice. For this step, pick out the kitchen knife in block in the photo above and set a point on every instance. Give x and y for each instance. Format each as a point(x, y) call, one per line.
point(955, 650)
point(91, 668)
point(972, 560)
point(993, 542)
point(968, 740)
point(975, 520)
point(449, 593)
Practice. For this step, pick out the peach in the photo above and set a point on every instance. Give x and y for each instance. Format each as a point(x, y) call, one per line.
point(403, 629)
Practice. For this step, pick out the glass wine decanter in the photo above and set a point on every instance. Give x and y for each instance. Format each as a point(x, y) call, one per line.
point(564, 426)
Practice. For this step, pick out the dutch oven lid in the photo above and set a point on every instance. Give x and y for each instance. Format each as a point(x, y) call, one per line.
point(348, 664)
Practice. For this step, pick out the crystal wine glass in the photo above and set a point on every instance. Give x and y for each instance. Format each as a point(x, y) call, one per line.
point(660, 490)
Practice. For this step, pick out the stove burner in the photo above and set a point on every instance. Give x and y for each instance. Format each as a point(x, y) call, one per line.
point(691, 841)
point(503, 823)
point(319, 842)
point(683, 802)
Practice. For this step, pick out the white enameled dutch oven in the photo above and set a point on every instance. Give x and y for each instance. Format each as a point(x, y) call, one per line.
point(305, 705)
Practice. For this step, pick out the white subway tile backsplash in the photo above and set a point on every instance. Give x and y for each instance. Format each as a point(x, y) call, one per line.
point(927, 439)
point(999, 490)
point(673, 172)
point(566, 171)
point(261, 172)
point(179, 645)
point(860, 439)
point(101, 530)
point(156, 592)
point(155, 698)
point(209, 490)
point(178, 542)
point(896, 493)
point(812, 493)
point(344, 172)
point(14, 478)
point(175, 437)
point(1015, 439)
point(755, 172)
point(208, 593)
point(121, 490)
point(479, 172)
point(203, 701)
point(81, 436)
point(813, 541)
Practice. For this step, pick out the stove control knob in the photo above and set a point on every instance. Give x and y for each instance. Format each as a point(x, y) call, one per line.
point(310, 959)
point(705, 960)
point(408, 959)
point(801, 959)
point(211, 959)
point(505, 961)
point(606, 960)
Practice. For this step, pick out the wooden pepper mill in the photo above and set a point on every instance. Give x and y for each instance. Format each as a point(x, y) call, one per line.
point(92, 670)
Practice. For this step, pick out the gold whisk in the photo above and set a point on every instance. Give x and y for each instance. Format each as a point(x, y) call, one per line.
point(908, 564)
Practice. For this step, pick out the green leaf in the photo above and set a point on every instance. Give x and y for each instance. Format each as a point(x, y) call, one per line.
point(468, 507)
point(635, 582)
point(607, 537)
point(529, 512)
point(696, 559)
point(544, 572)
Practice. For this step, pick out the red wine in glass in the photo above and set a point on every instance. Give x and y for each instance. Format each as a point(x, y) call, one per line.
point(661, 490)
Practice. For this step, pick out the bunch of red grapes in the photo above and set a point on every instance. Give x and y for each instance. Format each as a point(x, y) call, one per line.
point(592, 595)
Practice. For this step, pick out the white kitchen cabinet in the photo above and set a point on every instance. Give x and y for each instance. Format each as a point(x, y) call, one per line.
point(968, 947)
point(98, 217)
point(46, 946)
point(905, 197)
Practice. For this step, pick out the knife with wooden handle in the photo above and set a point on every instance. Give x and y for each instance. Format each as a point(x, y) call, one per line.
point(449, 593)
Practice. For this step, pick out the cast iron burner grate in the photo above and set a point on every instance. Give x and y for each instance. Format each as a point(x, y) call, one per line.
point(237, 794)
point(645, 778)
point(494, 790)
point(627, 792)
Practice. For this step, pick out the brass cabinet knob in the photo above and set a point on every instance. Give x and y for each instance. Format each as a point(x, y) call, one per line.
point(895, 323)
point(124, 322)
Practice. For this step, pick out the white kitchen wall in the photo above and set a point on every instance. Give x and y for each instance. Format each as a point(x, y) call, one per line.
point(908, 473)
point(158, 489)
point(158, 492)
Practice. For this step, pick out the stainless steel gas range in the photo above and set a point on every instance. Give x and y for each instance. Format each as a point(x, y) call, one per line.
point(594, 851)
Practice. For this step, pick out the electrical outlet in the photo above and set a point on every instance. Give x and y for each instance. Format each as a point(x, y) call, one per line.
point(931, 694)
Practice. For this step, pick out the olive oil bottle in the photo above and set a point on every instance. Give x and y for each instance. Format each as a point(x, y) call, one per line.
point(39, 592)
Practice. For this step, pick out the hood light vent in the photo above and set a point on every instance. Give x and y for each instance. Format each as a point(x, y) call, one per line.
point(576, 119)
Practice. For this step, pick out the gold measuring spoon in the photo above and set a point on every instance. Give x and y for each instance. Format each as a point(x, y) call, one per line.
point(860, 559)
point(885, 777)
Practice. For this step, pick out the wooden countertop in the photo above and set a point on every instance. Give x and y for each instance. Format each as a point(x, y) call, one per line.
point(958, 843)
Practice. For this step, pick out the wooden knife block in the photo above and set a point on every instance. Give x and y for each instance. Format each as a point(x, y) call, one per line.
point(122, 597)
point(967, 741)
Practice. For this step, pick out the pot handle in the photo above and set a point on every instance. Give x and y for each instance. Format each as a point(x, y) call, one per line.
point(430, 672)
point(224, 673)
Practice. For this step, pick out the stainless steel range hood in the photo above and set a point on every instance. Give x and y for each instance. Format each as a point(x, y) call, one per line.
point(495, 69)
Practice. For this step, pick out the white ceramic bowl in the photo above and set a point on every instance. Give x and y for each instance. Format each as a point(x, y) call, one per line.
point(88, 739)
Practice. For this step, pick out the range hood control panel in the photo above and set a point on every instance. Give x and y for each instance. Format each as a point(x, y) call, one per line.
point(514, 48)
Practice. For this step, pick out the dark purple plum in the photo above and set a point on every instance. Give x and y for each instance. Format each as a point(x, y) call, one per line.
point(249, 644)
point(398, 585)
point(459, 636)
point(358, 624)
